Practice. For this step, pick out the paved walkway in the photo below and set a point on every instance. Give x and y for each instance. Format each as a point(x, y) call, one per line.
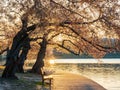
point(68, 81)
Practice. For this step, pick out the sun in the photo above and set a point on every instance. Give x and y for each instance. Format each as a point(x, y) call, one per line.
point(51, 61)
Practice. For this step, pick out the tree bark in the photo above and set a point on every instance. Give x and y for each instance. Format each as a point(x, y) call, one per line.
point(13, 55)
point(23, 55)
point(37, 67)
point(11, 63)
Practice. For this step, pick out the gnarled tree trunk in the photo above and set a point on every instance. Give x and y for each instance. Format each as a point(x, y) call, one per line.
point(11, 63)
point(23, 55)
point(37, 67)
point(13, 55)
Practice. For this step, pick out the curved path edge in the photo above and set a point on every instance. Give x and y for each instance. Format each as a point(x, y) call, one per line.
point(70, 81)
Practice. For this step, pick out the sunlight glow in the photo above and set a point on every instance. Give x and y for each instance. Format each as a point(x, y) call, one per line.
point(51, 61)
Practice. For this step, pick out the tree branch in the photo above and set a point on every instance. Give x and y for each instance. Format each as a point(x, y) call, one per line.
point(64, 48)
point(53, 36)
point(77, 23)
point(68, 9)
point(32, 27)
point(2, 51)
point(97, 46)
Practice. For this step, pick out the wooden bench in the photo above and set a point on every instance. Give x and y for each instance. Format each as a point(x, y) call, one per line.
point(47, 79)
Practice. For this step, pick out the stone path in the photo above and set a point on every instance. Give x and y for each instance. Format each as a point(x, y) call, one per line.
point(68, 81)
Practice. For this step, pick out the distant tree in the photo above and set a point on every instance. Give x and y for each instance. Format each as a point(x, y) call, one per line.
point(74, 26)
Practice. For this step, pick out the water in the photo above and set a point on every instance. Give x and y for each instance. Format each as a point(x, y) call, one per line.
point(2, 59)
point(107, 75)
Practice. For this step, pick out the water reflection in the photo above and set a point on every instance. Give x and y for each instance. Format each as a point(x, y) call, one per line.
point(107, 75)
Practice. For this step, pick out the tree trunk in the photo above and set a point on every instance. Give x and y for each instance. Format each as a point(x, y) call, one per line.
point(21, 61)
point(37, 67)
point(13, 55)
point(23, 55)
point(10, 69)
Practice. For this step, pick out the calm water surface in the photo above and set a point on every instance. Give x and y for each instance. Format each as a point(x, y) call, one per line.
point(107, 75)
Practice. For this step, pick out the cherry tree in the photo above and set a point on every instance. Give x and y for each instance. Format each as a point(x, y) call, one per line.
point(72, 26)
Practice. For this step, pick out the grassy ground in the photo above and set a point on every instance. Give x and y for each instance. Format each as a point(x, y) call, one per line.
point(27, 81)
